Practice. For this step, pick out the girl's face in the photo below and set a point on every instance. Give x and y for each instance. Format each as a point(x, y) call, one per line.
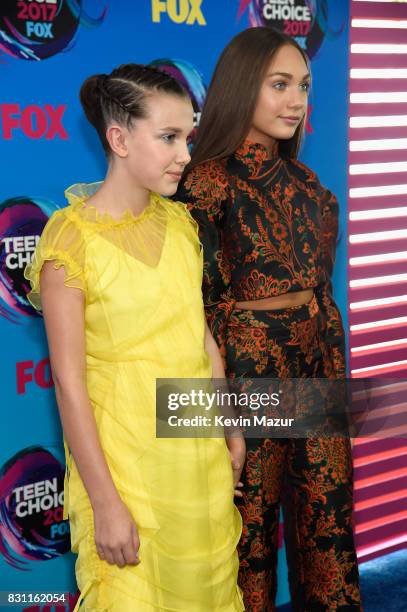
point(283, 98)
point(155, 150)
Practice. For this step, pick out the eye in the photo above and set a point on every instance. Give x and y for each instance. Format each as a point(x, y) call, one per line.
point(305, 86)
point(168, 138)
point(280, 85)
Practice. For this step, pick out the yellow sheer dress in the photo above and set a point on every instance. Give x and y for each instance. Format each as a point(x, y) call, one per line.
point(144, 319)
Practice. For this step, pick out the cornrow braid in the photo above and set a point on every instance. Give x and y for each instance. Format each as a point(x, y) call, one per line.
point(121, 96)
point(147, 76)
point(102, 83)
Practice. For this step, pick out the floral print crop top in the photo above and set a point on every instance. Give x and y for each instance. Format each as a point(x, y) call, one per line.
point(267, 227)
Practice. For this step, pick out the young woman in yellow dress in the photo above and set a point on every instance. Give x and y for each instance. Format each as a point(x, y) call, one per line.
point(118, 276)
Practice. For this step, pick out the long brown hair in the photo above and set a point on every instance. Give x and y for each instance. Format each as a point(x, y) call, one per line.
point(233, 92)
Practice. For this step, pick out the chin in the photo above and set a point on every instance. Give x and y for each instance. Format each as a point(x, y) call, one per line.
point(285, 134)
point(169, 191)
point(164, 188)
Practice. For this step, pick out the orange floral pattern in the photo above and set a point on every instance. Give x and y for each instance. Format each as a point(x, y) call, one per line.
point(311, 477)
point(268, 227)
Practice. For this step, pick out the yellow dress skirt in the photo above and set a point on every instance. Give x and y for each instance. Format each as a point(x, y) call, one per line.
point(144, 319)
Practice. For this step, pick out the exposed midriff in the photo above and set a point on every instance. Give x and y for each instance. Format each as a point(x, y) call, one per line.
point(277, 302)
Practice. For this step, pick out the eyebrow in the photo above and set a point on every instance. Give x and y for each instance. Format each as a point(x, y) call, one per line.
point(288, 75)
point(171, 129)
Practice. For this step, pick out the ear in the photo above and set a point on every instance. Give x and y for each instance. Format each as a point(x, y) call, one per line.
point(116, 137)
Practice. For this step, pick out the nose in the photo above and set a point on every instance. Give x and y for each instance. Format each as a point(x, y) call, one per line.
point(184, 156)
point(298, 99)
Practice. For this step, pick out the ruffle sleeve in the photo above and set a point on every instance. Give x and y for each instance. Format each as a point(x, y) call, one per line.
point(62, 243)
point(190, 224)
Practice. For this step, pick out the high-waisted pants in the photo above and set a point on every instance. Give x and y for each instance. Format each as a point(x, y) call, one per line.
point(310, 477)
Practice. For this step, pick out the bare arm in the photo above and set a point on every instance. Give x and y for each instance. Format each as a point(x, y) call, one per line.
point(63, 309)
point(236, 443)
point(218, 371)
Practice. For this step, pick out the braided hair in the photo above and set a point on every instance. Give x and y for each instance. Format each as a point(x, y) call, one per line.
point(121, 95)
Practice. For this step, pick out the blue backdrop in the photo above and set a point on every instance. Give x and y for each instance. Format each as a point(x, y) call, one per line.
point(47, 48)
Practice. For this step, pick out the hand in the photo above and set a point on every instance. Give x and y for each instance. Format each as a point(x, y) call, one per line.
point(237, 450)
point(116, 536)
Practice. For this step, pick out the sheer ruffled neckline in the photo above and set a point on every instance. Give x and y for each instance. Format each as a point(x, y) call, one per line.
point(79, 193)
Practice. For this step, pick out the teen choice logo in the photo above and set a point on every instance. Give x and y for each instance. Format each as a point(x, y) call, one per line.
point(22, 220)
point(37, 29)
point(31, 508)
point(191, 79)
point(304, 20)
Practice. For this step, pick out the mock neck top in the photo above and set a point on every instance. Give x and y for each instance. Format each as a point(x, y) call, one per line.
point(255, 156)
point(267, 225)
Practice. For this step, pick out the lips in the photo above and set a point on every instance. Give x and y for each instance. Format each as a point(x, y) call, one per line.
point(291, 118)
point(176, 175)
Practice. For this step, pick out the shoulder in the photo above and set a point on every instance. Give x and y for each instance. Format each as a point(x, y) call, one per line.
point(179, 211)
point(205, 186)
point(174, 208)
point(63, 216)
point(57, 220)
point(208, 172)
point(304, 173)
point(183, 224)
point(63, 229)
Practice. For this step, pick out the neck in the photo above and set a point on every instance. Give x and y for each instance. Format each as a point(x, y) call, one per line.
point(119, 193)
point(267, 141)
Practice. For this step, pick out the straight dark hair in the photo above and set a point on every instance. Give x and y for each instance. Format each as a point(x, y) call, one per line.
point(233, 93)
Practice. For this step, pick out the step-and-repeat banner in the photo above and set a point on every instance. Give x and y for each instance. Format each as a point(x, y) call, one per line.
point(47, 49)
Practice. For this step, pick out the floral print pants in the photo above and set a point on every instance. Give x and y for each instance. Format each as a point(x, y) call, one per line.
point(311, 478)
